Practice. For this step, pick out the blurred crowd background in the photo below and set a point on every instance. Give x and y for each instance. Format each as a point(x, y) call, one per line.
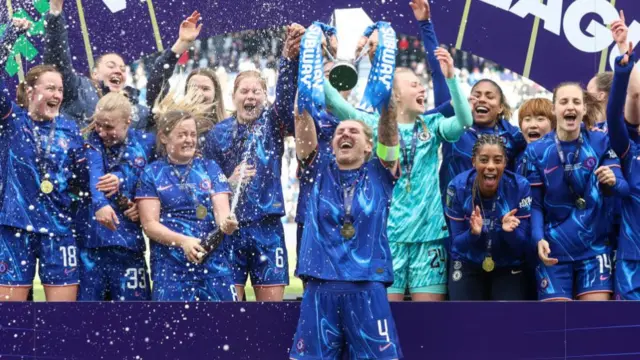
point(260, 49)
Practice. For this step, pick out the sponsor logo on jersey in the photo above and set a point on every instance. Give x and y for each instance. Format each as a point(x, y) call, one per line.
point(222, 178)
point(384, 347)
point(457, 265)
point(205, 184)
point(612, 154)
point(526, 202)
point(549, 171)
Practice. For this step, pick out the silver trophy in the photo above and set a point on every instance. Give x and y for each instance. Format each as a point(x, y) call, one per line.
point(350, 25)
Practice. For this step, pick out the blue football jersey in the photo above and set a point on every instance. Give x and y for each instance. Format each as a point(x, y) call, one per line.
point(262, 143)
point(126, 161)
point(456, 157)
point(178, 213)
point(507, 248)
point(62, 159)
point(325, 254)
point(573, 234)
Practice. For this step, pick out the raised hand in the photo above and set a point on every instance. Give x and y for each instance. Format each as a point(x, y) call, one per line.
point(476, 221)
point(446, 62)
point(189, 28)
point(543, 252)
point(510, 222)
point(55, 6)
point(371, 42)
point(22, 25)
point(619, 30)
point(291, 48)
point(421, 9)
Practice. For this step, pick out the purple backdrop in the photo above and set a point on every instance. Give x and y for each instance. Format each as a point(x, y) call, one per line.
point(491, 31)
point(510, 331)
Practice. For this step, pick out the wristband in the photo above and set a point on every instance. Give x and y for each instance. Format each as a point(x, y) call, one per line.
point(388, 153)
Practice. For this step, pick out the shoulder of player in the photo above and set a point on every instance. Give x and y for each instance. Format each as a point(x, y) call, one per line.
point(515, 182)
point(463, 180)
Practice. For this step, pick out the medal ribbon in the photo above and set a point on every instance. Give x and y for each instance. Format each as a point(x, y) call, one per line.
point(348, 194)
point(42, 164)
point(380, 82)
point(182, 179)
point(409, 156)
point(110, 165)
point(492, 221)
point(563, 161)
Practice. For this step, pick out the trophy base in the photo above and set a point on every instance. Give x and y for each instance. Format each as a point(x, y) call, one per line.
point(343, 76)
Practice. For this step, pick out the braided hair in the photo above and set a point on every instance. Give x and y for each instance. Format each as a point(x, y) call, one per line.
point(484, 139)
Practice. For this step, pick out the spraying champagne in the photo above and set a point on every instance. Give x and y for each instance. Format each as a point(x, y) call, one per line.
point(213, 240)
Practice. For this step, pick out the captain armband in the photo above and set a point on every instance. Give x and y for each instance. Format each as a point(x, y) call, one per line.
point(388, 153)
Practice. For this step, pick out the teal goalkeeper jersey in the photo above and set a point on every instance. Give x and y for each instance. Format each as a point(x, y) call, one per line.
point(417, 216)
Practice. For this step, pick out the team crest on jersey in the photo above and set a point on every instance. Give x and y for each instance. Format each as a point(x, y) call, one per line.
point(424, 136)
point(589, 163)
point(205, 184)
point(544, 283)
point(457, 275)
point(140, 162)
point(63, 143)
point(4, 267)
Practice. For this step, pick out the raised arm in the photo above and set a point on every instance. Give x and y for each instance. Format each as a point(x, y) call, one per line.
point(388, 148)
point(56, 49)
point(282, 109)
point(422, 13)
point(452, 128)
point(164, 65)
point(620, 31)
point(624, 66)
point(14, 29)
point(306, 138)
point(6, 106)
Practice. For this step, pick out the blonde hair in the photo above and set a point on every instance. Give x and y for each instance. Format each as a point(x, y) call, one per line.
point(112, 102)
point(172, 109)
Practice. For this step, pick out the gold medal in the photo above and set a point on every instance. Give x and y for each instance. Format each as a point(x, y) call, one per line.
point(487, 264)
point(347, 231)
point(46, 187)
point(581, 204)
point(201, 212)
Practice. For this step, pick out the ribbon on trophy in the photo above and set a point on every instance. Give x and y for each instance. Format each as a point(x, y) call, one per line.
point(311, 70)
point(380, 82)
